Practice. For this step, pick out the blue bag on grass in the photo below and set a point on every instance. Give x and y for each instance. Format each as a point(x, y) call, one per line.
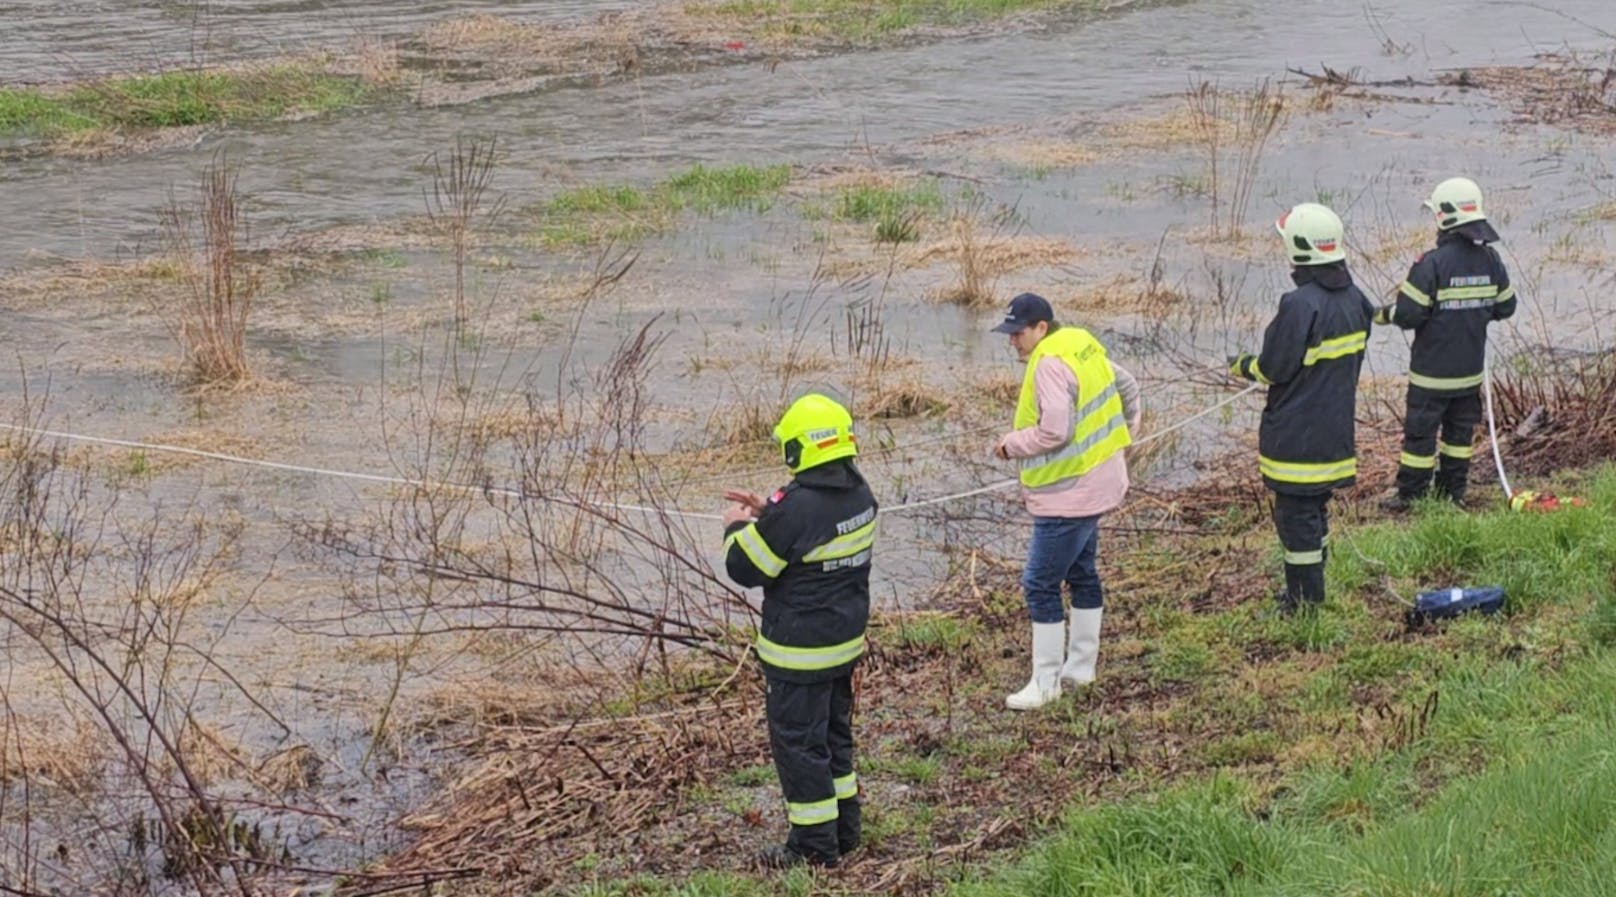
point(1444, 603)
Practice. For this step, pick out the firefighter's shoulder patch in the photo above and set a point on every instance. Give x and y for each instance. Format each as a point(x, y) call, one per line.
point(778, 496)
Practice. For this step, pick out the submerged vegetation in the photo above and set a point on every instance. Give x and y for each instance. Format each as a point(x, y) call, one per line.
point(603, 212)
point(176, 99)
point(868, 20)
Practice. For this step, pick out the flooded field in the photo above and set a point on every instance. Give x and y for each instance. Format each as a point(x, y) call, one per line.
point(659, 261)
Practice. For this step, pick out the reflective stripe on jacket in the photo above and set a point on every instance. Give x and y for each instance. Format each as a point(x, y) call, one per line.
point(1452, 293)
point(1311, 355)
point(810, 550)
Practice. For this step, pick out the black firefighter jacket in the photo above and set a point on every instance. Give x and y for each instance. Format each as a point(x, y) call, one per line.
point(1310, 359)
point(810, 550)
point(1452, 293)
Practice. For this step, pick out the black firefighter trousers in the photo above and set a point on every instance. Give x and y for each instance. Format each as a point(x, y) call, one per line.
point(1457, 417)
point(1303, 522)
point(811, 738)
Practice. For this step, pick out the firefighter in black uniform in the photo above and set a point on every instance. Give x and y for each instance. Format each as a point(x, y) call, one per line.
point(1310, 359)
point(1452, 293)
point(808, 545)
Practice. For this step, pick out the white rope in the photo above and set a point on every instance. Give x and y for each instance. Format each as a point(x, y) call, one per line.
point(516, 493)
point(1492, 426)
point(1005, 484)
point(346, 474)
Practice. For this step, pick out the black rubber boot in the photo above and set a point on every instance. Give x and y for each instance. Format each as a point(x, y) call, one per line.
point(849, 825)
point(784, 856)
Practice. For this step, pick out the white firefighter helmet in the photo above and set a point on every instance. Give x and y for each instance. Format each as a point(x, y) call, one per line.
point(1456, 201)
point(1313, 235)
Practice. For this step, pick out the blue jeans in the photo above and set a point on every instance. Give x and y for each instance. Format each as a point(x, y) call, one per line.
point(1064, 549)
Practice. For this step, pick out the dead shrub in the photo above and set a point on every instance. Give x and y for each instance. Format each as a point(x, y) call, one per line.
point(377, 62)
point(210, 319)
point(980, 261)
point(1557, 410)
point(1234, 129)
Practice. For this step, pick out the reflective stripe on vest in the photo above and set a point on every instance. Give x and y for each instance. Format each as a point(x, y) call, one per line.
point(1306, 472)
point(1099, 429)
point(756, 550)
point(1424, 382)
point(787, 657)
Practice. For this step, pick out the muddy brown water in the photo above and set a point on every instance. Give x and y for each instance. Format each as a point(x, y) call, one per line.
point(733, 284)
point(47, 41)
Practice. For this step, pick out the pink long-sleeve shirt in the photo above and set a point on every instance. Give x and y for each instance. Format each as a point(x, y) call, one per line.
point(1101, 489)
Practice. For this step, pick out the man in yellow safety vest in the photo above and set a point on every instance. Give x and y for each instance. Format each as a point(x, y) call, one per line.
point(1072, 423)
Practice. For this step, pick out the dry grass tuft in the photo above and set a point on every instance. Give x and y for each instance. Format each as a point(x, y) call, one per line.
point(904, 399)
point(293, 769)
point(79, 279)
point(496, 426)
point(481, 32)
point(136, 462)
point(1045, 154)
point(1000, 387)
point(979, 262)
point(1173, 128)
point(50, 753)
point(208, 756)
point(376, 62)
point(1117, 294)
point(741, 425)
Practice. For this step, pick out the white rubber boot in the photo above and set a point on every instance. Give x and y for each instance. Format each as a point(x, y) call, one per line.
point(1048, 646)
point(1083, 648)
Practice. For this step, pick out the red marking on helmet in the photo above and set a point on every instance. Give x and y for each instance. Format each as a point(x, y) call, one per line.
point(734, 45)
point(1325, 247)
point(1469, 206)
point(829, 442)
point(1283, 218)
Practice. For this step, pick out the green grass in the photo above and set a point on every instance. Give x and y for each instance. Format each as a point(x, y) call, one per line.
point(1534, 813)
point(896, 211)
point(173, 99)
point(1337, 752)
point(708, 190)
point(928, 632)
point(625, 213)
point(862, 21)
point(1539, 559)
point(1488, 770)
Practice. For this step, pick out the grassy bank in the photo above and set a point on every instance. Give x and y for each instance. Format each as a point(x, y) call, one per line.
point(1539, 818)
point(863, 21)
point(1225, 751)
point(175, 99)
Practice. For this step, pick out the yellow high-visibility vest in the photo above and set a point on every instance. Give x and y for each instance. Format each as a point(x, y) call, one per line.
point(1099, 429)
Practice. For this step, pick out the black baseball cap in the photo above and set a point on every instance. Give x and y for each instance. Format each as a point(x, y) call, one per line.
point(1025, 311)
